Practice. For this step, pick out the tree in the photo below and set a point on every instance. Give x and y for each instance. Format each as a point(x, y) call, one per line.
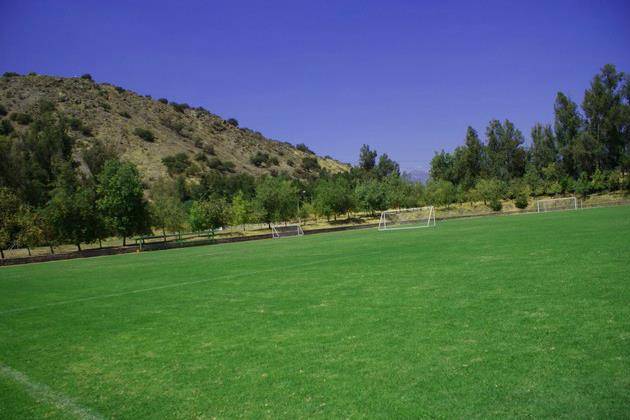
point(468, 160)
point(567, 125)
point(490, 190)
point(441, 193)
point(333, 197)
point(543, 151)
point(442, 167)
point(240, 210)
point(121, 199)
point(506, 155)
point(367, 158)
point(167, 210)
point(71, 214)
point(209, 214)
point(386, 167)
point(278, 198)
point(371, 196)
point(604, 112)
point(10, 206)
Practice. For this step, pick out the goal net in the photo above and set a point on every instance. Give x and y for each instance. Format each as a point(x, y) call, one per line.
point(284, 231)
point(412, 218)
point(554, 204)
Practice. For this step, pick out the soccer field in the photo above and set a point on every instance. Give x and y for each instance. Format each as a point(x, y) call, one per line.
point(523, 315)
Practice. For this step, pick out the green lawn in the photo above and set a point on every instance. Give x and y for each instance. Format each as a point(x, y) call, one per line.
point(509, 316)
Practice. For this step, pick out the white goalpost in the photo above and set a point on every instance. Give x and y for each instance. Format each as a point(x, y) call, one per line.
point(284, 231)
point(411, 218)
point(555, 204)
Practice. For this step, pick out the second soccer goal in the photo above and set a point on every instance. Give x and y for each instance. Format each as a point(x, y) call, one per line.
point(555, 204)
point(413, 218)
point(285, 231)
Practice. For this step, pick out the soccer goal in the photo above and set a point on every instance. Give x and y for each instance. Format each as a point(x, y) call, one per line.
point(554, 204)
point(412, 218)
point(284, 231)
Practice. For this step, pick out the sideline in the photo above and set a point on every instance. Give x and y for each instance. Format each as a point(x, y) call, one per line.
point(41, 392)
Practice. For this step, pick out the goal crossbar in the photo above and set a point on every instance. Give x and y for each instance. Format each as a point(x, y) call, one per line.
point(408, 218)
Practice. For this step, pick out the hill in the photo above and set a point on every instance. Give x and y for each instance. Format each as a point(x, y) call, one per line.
point(145, 131)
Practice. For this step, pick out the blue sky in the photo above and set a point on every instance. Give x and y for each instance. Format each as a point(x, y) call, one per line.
point(406, 77)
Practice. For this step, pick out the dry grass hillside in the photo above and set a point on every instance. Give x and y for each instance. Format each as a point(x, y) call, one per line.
point(116, 116)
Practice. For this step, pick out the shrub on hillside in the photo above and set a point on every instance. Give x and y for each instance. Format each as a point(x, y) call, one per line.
point(259, 159)
point(124, 114)
point(304, 148)
point(163, 100)
point(495, 204)
point(10, 74)
point(233, 121)
point(180, 107)
point(522, 200)
point(208, 149)
point(5, 128)
point(86, 76)
point(310, 163)
point(21, 118)
point(177, 163)
point(119, 89)
point(3, 110)
point(144, 134)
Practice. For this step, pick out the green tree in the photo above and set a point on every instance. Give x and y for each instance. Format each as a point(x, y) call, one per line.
point(371, 196)
point(605, 119)
point(278, 197)
point(367, 158)
point(490, 190)
point(504, 149)
point(441, 193)
point(567, 125)
point(543, 150)
point(167, 210)
point(333, 197)
point(386, 167)
point(209, 214)
point(121, 199)
point(241, 209)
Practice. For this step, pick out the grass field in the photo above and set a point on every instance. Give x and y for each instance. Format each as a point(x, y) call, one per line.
point(499, 316)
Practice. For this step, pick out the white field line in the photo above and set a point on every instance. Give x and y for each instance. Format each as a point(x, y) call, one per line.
point(169, 286)
point(41, 392)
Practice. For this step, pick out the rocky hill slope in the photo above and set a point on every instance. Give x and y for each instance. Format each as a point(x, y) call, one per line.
point(144, 130)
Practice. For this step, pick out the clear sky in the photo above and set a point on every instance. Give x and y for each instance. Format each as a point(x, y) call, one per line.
point(406, 77)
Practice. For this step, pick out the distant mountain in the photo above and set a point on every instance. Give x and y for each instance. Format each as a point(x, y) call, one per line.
point(416, 175)
point(144, 131)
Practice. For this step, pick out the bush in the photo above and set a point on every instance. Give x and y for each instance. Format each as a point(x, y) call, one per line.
point(124, 114)
point(310, 163)
point(119, 89)
point(304, 148)
point(522, 200)
point(176, 164)
point(10, 74)
point(290, 163)
point(215, 163)
point(21, 118)
point(495, 204)
point(208, 149)
point(5, 128)
point(201, 157)
point(259, 159)
point(180, 107)
point(233, 121)
point(163, 100)
point(87, 76)
point(274, 161)
point(3, 111)
point(144, 134)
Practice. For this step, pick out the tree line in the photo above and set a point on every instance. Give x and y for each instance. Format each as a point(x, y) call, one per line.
point(586, 149)
point(53, 193)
